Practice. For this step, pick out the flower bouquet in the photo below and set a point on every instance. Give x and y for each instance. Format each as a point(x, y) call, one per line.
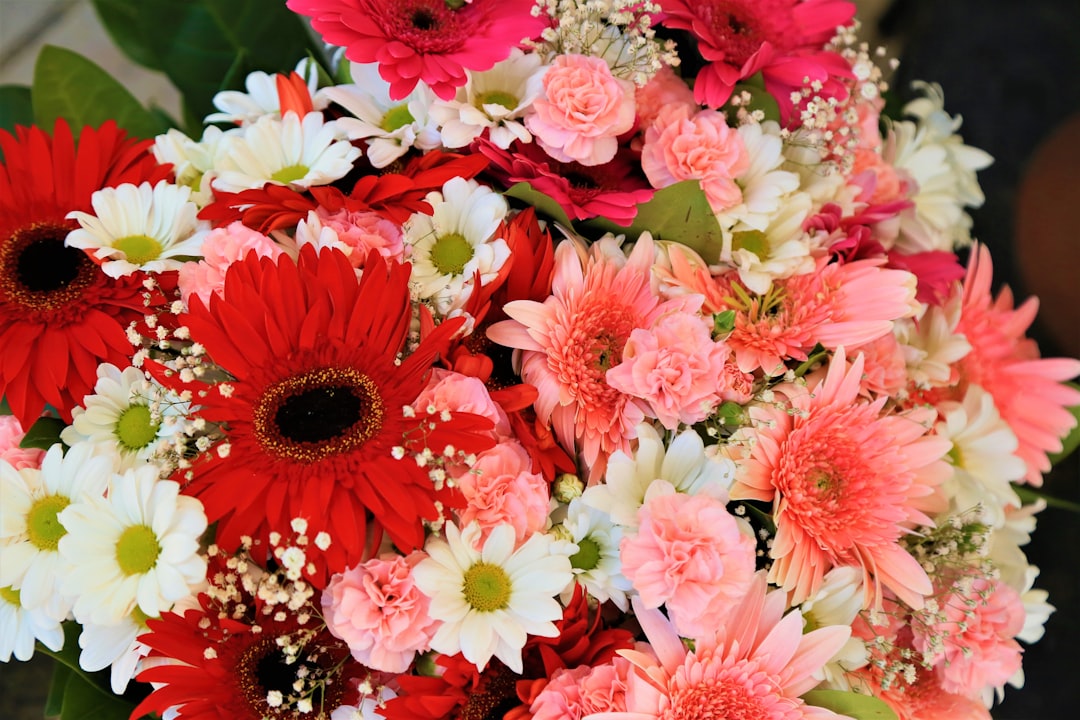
point(508, 359)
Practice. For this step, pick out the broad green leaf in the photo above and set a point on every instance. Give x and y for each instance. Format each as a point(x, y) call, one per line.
point(68, 85)
point(679, 213)
point(15, 107)
point(120, 18)
point(856, 705)
point(86, 701)
point(54, 702)
point(544, 204)
point(43, 434)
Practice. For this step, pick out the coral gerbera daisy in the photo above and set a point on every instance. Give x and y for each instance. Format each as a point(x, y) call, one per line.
point(428, 41)
point(318, 415)
point(60, 315)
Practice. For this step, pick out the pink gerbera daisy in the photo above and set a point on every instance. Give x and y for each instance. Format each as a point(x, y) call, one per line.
point(423, 40)
point(572, 338)
point(1027, 389)
point(846, 482)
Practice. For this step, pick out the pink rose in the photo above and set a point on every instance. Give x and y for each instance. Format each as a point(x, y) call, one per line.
point(583, 110)
point(501, 489)
point(11, 434)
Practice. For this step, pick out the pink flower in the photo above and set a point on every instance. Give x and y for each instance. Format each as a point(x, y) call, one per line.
point(846, 481)
point(690, 555)
point(572, 694)
point(501, 489)
point(222, 247)
point(423, 40)
point(675, 367)
point(884, 368)
point(583, 110)
point(362, 232)
point(447, 390)
point(380, 613)
point(573, 337)
point(755, 666)
point(664, 89)
point(11, 434)
point(923, 699)
point(680, 145)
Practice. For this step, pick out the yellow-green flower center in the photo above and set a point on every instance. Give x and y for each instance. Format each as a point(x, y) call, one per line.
point(42, 525)
point(11, 595)
point(450, 253)
point(487, 587)
point(139, 617)
point(290, 173)
point(138, 249)
point(588, 555)
point(497, 97)
point(137, 550)
point(754, 241)
point(136, 428)
point(396, 117)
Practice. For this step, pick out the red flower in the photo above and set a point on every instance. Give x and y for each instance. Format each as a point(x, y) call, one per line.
point(60, 316)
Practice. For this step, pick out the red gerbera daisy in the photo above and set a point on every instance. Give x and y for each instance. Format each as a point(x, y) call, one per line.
point(423, 40)
point(60, 316)
point(317, 415)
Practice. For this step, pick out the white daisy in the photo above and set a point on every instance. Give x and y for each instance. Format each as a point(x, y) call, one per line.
point(390, 127)
point(20, 627)
point(596, 562)
point(128, 416)
point(683, 466)
point(931, 345)
point(494, 100)
point(261, 98)
point(779, 250)
point(139, 228)
point(31, 501)
point(765, 185)
point(193, 162)
point(455, 242)
point(137, 548)
point(838, 602)
point(289, 151)
point(490, 600)
point(114, 645)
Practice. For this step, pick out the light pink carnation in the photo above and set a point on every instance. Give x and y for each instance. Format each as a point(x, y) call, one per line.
point(583, 110)
point(501, 489)
point(574, 694)
point(11, 434)
point(378, 611)
point(222, 247)
point(364, 232)
point(664, 89)
point(680, 146)
point(675, 367)
point(448, 390)
point(689, 554)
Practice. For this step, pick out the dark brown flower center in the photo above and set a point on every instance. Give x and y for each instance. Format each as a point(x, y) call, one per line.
point(39, 272)
point(308, 417)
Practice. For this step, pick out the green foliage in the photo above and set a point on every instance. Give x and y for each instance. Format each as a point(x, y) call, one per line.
point(544, 205)
point(855, 705)
point(76, 694)
point(15, 108)
point(43, 434)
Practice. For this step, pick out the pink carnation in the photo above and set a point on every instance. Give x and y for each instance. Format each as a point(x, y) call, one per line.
point(664, 89)
point(501, 489)
point(448, 390)
point(378, 611)
point(574, 694)
point(363, 232)
point(583, 110)
point(680, 146)
point(222, 247)
point(689, 554)
point(11, 434)
point(675, 367)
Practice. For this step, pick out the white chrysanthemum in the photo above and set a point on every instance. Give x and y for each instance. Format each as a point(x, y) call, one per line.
point(139, 548)
point(494, 100)
point(390, 127)
point(490, 600)
point(779, 250)
point(128, 416)
point(20, 627)
point(931, 345)
point(114, 645)
point(765, 185)
point(984, 463)
point(139, 228)
point(683, 466)
point(455, 242)
point(943, 168)
point(1006, 542)
point(194, 162)
point(838, 602)
point(31, 501)
point(289, 151)
point(261, 98)
point(596, 562)
point(1036, 610)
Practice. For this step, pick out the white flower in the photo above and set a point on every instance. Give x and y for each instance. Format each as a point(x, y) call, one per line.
point(193, 162)
point(1006, 543)
point(368, 708)
point(490, 600)
point(139, 228)
point(765, 186)
point(683, 467)
point(779, 250)
point(838, 602)
point(596, 562)
point(494, 100)
point(31, 501)
point(289, 151)
point(261, 98)
point(390, 127)
point(455, 242)
point(20, 627)
point(931, 344)
point(137, 548)
point(113, 645)
point(128, 415)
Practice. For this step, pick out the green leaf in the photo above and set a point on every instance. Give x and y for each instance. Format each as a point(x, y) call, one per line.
point(43, 434)
point(120, 18)
point(760, 99)
point(15, 107)
point(54, 702)
point(855, 705)
point(544, 204)
point(1028, 495)
point(87, 695)
point(5, 409)
point(1070, 442)
point(68, 85)
point(679, 213)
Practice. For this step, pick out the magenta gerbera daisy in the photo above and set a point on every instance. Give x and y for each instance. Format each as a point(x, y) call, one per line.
point(423, 40)
point(317, 410)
